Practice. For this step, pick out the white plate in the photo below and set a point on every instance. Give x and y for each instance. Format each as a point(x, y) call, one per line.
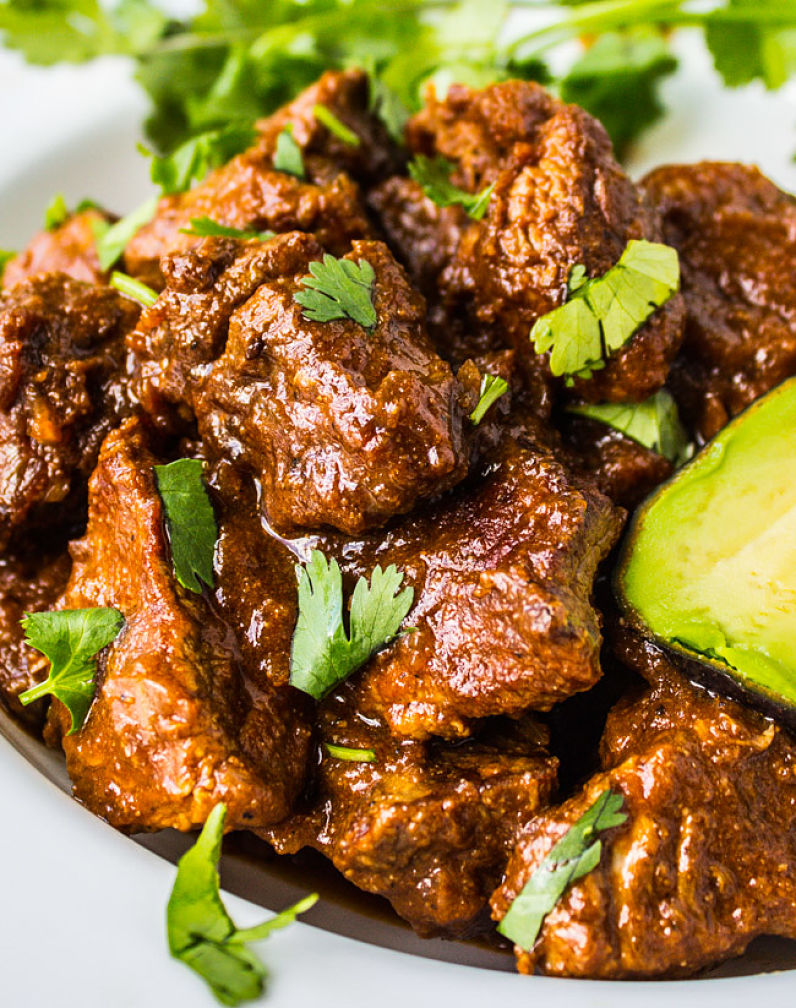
point(82, 911)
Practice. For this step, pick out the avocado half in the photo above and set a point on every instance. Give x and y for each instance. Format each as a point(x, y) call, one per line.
point(708, 566)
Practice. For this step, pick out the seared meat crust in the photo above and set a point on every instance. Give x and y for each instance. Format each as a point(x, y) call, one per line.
point(429, 828)
point(174, 727)
point(689, 879)
point(736, 236)
point(62, 388)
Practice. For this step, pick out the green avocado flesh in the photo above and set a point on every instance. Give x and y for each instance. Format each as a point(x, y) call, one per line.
point(709, 565)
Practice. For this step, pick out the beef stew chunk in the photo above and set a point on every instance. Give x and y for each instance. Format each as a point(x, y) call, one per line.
point(342, 427)
point(502, 572)
point(69, 248)
point(427, 827)
point(175, 726)
point(559, 199)
point(736, 236)
point(707, 859)
point(62, 388)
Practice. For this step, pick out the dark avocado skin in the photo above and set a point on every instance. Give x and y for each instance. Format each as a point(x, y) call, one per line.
point(708, 672)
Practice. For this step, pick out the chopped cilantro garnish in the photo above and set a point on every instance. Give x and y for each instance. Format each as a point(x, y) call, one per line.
point(287, 156)
point(133, 289)
point(575, 855)
point(388, 106)
point(339, 288)
point(327, 118)
point(206, 227)
point(71, 639)
point(201, 932)
point(492, 388)
point(348, 754)
point(190, 521)
point(192, 160)
point(6, 255)
point(601, 315)
point(112, 239)
point(56, 213)
point(433, 175)
point(653, 423)
point(323, 652)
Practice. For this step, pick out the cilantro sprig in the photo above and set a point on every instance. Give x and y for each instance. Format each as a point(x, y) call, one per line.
point(323, 652)
point(111, 240)
point(654, 423)
point(337, 289)
point(287, 156)
point(492, 388)
point(190, 521)
point(576, 854)
point(71, 639)
point(192, 160)
point(56, 213)
point(206, 227)
point(433, 176)
point(201, 932)
point(602, 314)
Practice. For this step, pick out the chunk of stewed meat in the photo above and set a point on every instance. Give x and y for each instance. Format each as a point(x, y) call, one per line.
point(735, 232)
point(686, 881)
point(343, 427)
point(69, 248)
point(62, 388)
point(176, 725)
point(427, 827)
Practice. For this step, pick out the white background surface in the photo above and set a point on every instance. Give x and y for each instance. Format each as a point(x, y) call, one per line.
point(81, 907)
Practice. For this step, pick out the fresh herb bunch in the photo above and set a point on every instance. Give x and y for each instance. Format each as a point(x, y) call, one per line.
point(239, 59)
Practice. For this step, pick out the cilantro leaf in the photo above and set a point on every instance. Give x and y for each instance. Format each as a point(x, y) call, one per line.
point(604, 313)
point(112, 239)
point(192, 160)
point(492, 388)
point(56, 213)
point(328, 119)
point(206, 227)
point(70, 638)
point(200, 931)
point(753, 39)
point(323, 653)
point(348, 754)
point(653, 423)
point(190, 521)
point(617, 80)
point(388, 106)
point(575, 855)
point(433, 176)
point(133, 289)
point(6, 255)
point(287, 156)
point(339, 288)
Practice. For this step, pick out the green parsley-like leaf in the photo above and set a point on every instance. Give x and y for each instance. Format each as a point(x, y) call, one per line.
point(433, 176)
point(70, 638)
point(349, 754)
point(6, 255)
point(287, 156)
point(653, 423)
point(190, 521)
point(328, 119)
point(753, 39)
point(206, 227)
point(492, 388)
point(323, 654)
point(575, 855)
point(192, 160)
point(112, 239)
point(388, 106)
point(200, 931)
point(339, 288)
point(133, 289)
point(604, 313)
point(56, 213)
point(617, 79)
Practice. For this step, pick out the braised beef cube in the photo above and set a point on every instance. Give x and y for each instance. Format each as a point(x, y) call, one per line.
point(62, 388)
point(707, 859)
point(69, 248)
point(342, 426)
point(176, 726)
point(29, 582)
point(622, 468)
point(502, 571)
point(735, 232)
point(429, 828)
point(559, 199)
